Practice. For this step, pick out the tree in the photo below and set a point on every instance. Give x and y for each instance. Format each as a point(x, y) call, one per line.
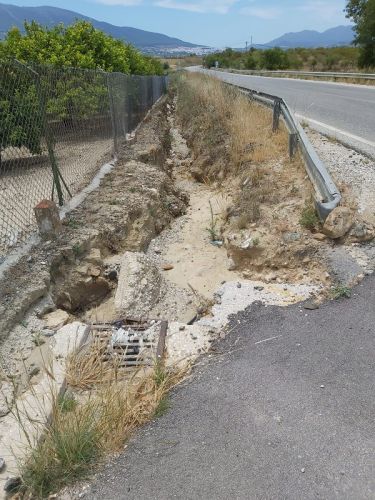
point(79, 45)
point(68, 93)
point(20, 112)
point(362, 12)
point(275, 58)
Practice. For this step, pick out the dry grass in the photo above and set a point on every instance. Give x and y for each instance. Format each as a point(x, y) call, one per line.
point(85, 368)
point(95, 422)
point(234, 132)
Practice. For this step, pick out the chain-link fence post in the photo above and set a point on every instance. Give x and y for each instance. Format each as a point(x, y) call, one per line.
point(47, 134)
point(109, 83)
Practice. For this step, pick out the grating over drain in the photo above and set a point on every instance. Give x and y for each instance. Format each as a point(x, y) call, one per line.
point(131, 343)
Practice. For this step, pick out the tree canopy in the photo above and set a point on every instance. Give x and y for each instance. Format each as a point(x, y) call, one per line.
point(363, 14)
point(79, 45)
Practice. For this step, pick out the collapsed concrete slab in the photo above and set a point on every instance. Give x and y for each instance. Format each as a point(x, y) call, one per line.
point(139, 285)
point(24, 426)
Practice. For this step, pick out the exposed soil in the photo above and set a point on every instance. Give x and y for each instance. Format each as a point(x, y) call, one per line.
point(221, 238)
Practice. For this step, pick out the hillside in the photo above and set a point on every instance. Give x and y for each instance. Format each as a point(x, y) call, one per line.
point(338, 36)
point(12, 15)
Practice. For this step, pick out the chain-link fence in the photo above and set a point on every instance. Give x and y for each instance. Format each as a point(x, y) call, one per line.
point(57, 127)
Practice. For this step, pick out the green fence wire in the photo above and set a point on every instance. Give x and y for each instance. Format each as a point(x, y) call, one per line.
point(57, 127)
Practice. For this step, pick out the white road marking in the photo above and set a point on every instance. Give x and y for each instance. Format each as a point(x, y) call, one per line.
point(336, 130)
point(267, 340)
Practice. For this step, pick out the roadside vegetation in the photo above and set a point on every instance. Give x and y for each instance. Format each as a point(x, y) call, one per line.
point(319, 59)
point(362, 56)
point(101, 409)
point(79, 45)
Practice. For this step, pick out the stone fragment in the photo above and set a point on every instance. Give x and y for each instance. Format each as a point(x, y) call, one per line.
point(231, 265)
point(12, 484)
point(48, 219)
point(56, 319)
point(167, 267)
point(319, 236)
point(338, 223)
point(311, 305)
point(94, 271)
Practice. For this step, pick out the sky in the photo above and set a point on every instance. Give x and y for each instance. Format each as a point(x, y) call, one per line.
point(216, 23)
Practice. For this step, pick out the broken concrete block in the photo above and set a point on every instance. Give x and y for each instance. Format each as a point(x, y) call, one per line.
point(48, 219)
point(139, 285)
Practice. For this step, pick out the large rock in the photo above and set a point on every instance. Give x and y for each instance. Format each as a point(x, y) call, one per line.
point(338, 223)
point(56, 319)
point(139, 286)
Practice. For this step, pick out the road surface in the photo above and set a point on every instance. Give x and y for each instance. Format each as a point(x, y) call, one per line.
point(285, 412)
point(341, 110)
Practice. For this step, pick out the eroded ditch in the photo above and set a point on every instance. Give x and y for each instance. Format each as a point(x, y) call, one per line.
point(159, 240)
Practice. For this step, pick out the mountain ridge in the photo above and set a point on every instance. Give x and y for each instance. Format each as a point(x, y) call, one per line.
point(13, 15)
point(337, 36)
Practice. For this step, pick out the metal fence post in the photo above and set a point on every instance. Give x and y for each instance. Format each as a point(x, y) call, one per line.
point(276, 114)
point(112, 111)
point(57, 177)
point(293, 143)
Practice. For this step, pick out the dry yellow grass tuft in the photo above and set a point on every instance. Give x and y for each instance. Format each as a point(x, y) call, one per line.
point(96, 420)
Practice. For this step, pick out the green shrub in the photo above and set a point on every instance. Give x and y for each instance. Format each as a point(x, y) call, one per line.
point(309, 218)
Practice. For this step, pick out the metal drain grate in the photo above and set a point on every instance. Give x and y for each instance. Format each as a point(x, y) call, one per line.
point(131, 343)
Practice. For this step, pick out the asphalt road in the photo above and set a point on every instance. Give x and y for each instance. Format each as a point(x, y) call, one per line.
point(347, 110)
point(286, 411)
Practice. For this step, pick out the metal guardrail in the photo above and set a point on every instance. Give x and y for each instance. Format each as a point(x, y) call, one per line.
point(328, 195)
point(315, 74)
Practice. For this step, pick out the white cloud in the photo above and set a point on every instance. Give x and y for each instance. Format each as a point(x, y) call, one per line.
point(262, 12)
point(218, 6)
point(327, 10)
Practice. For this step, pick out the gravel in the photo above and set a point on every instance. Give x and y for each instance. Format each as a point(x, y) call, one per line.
point(348, 167)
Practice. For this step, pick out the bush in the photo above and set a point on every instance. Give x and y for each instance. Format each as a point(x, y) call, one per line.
point(274, 59)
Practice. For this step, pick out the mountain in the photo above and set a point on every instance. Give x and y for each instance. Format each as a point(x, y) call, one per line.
point(12, 15)
point(341, 35)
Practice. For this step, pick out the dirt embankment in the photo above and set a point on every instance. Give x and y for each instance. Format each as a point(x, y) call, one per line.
point(135, 202)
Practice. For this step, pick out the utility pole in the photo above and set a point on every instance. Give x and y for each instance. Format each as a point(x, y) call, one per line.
point(251, 43)
point(246, 46)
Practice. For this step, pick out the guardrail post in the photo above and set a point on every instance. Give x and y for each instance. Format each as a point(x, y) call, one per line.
point(276, 114)
point(293, 142)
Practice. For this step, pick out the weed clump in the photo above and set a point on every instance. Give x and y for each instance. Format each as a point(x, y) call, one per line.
point(340, 291)
point(309, 218)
